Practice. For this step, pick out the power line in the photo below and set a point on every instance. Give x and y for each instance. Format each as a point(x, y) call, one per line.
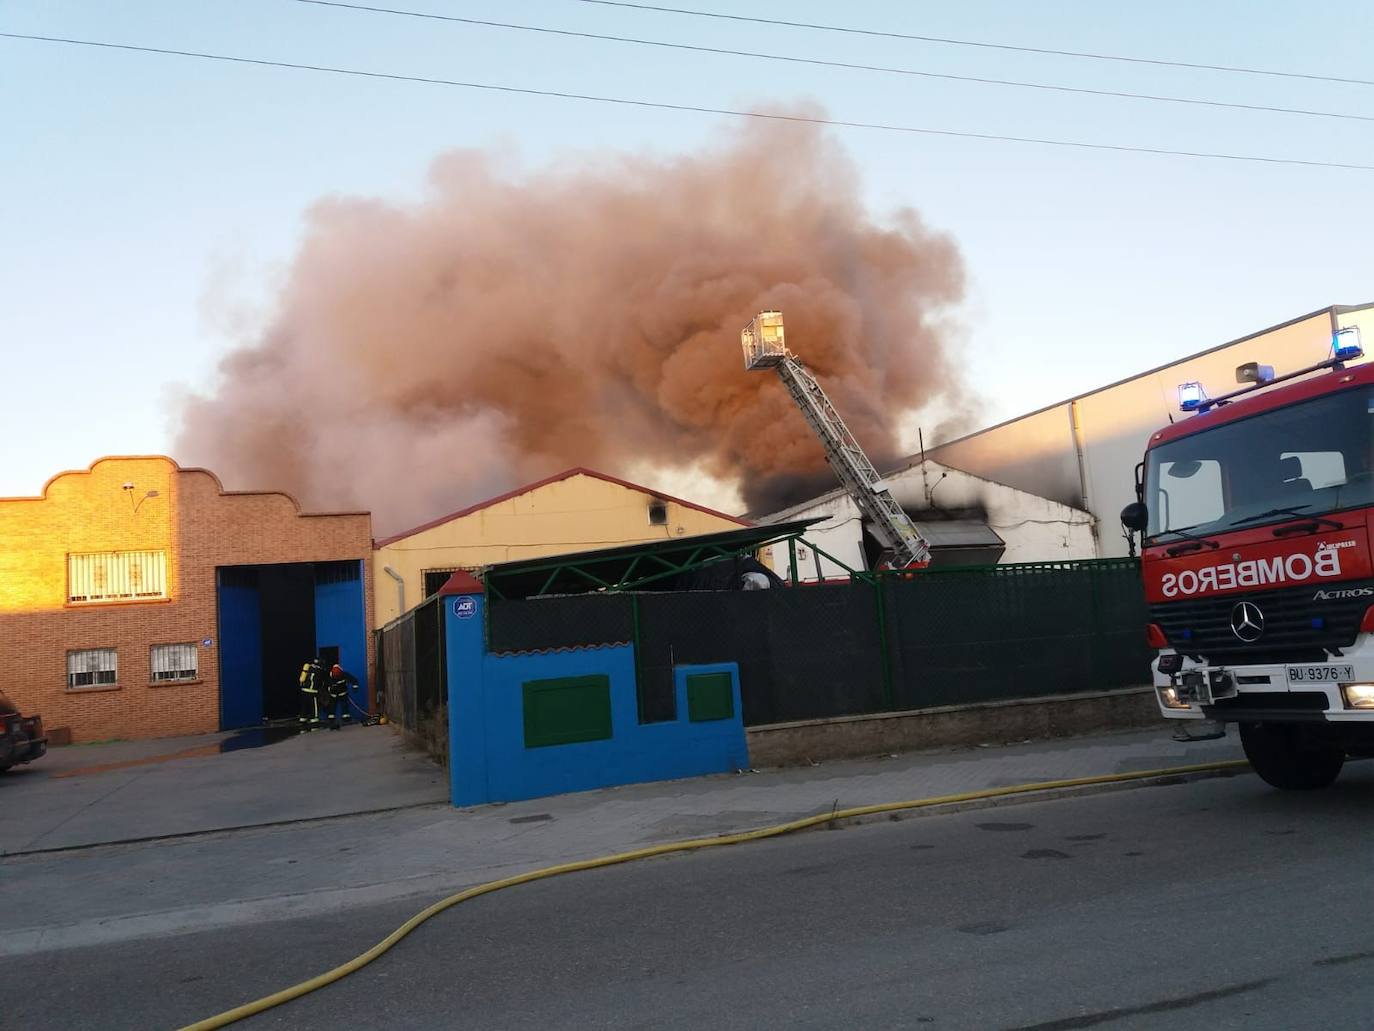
point(666, 44)
point(692, 108)
point(852, 30)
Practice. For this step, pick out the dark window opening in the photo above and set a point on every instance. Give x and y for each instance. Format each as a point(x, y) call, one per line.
point(436, 578)
point(336, 572)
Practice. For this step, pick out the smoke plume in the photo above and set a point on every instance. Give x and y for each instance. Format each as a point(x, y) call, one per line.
point(513, 324)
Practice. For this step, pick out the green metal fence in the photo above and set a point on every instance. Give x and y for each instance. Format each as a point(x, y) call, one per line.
point(1014, 631)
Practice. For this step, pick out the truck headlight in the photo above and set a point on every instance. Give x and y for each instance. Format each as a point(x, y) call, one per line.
point(1169, 698)
point(1358, 696)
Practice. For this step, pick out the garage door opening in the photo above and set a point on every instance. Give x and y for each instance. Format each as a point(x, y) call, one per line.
point(274, 618)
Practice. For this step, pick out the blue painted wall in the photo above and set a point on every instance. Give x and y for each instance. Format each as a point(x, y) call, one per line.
point(340, 620)
point(488, 760)
point(464, 651)
point(240, 657)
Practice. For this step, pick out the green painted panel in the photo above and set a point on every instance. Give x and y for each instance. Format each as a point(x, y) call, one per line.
point(710, 696)
point(566, 710)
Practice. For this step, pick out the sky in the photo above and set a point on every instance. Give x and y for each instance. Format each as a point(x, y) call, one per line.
point(150, 205)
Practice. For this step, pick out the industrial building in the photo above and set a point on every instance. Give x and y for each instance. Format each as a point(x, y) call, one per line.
point(576, 510)
point(965, 519)
point(1083, 452)
point(140, 599)
point(1050, 485)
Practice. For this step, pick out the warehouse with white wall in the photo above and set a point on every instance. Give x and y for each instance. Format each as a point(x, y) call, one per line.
point(968, 520)
point(1050, 485)
point(1083, 452)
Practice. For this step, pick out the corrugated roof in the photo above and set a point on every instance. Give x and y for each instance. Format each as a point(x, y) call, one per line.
point(959, 533)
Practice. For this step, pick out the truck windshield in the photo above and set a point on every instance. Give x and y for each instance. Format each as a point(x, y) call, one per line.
point(1301, 460)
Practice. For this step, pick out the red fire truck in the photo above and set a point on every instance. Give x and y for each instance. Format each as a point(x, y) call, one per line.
point(1256, 514)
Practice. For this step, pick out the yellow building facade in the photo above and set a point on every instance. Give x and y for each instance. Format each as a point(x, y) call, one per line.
point(577, 510)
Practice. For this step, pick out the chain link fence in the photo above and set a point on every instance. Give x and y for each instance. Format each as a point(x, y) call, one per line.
point(411, 675)
point(574, 621)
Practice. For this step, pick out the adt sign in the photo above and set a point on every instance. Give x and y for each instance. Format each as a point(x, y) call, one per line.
point(464, 608)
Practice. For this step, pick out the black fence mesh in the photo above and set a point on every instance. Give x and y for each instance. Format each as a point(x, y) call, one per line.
point(802, 654)
point(411, 665)
point(1121, 656)
point(938, 637)
point(695, 626)
point(567, 622)
point(1014, 632)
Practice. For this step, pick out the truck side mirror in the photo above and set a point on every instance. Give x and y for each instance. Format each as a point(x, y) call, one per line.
point(1135, 516)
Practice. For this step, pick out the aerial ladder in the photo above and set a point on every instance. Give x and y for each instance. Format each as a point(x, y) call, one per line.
point(764, 348)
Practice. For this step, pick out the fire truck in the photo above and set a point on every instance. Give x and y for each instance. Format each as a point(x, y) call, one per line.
point(1255, 514)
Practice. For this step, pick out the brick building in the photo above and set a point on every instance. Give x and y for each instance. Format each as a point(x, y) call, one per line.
point(140, 599)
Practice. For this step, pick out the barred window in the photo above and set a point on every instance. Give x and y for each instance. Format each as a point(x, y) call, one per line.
point(116, 575)
point(92, 667)
point(174, 662)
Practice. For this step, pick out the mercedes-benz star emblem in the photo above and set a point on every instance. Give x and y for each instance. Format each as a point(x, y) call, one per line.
point(1247, 621)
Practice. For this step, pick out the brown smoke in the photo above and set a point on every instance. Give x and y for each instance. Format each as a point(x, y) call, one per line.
point(510, 325)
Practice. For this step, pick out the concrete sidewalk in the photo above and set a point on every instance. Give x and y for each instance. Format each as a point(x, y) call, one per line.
point(113, 893)
point(91, 794)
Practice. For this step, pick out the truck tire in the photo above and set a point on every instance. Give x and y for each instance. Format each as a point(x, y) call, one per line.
point(1288, 759)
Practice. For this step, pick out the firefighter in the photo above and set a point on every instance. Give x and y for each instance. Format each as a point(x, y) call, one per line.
point(312, 684)
point(336, 695)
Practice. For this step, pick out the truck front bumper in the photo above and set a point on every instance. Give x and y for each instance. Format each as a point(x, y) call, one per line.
point(1336, 691)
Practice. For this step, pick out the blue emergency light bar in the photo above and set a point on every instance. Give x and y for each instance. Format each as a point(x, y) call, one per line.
point(1190, 396)
point(1345, 344)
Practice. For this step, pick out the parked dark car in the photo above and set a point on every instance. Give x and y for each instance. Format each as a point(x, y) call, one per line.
point(21, 737)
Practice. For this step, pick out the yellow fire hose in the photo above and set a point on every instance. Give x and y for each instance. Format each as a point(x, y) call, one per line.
point(383, 946)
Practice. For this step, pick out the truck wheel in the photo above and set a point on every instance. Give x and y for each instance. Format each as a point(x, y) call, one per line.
point(1286, 758)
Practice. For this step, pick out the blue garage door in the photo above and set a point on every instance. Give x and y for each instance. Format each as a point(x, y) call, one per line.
point(240, 648)
point(340, 622)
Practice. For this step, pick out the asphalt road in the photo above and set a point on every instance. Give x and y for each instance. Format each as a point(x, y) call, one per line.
point(1211, 904)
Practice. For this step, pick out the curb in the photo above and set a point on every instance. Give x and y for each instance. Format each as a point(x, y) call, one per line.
point(211, 831)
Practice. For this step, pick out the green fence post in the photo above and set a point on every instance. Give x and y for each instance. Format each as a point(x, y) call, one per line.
point(639, 677)
point(486, 613)
point(792, 558)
